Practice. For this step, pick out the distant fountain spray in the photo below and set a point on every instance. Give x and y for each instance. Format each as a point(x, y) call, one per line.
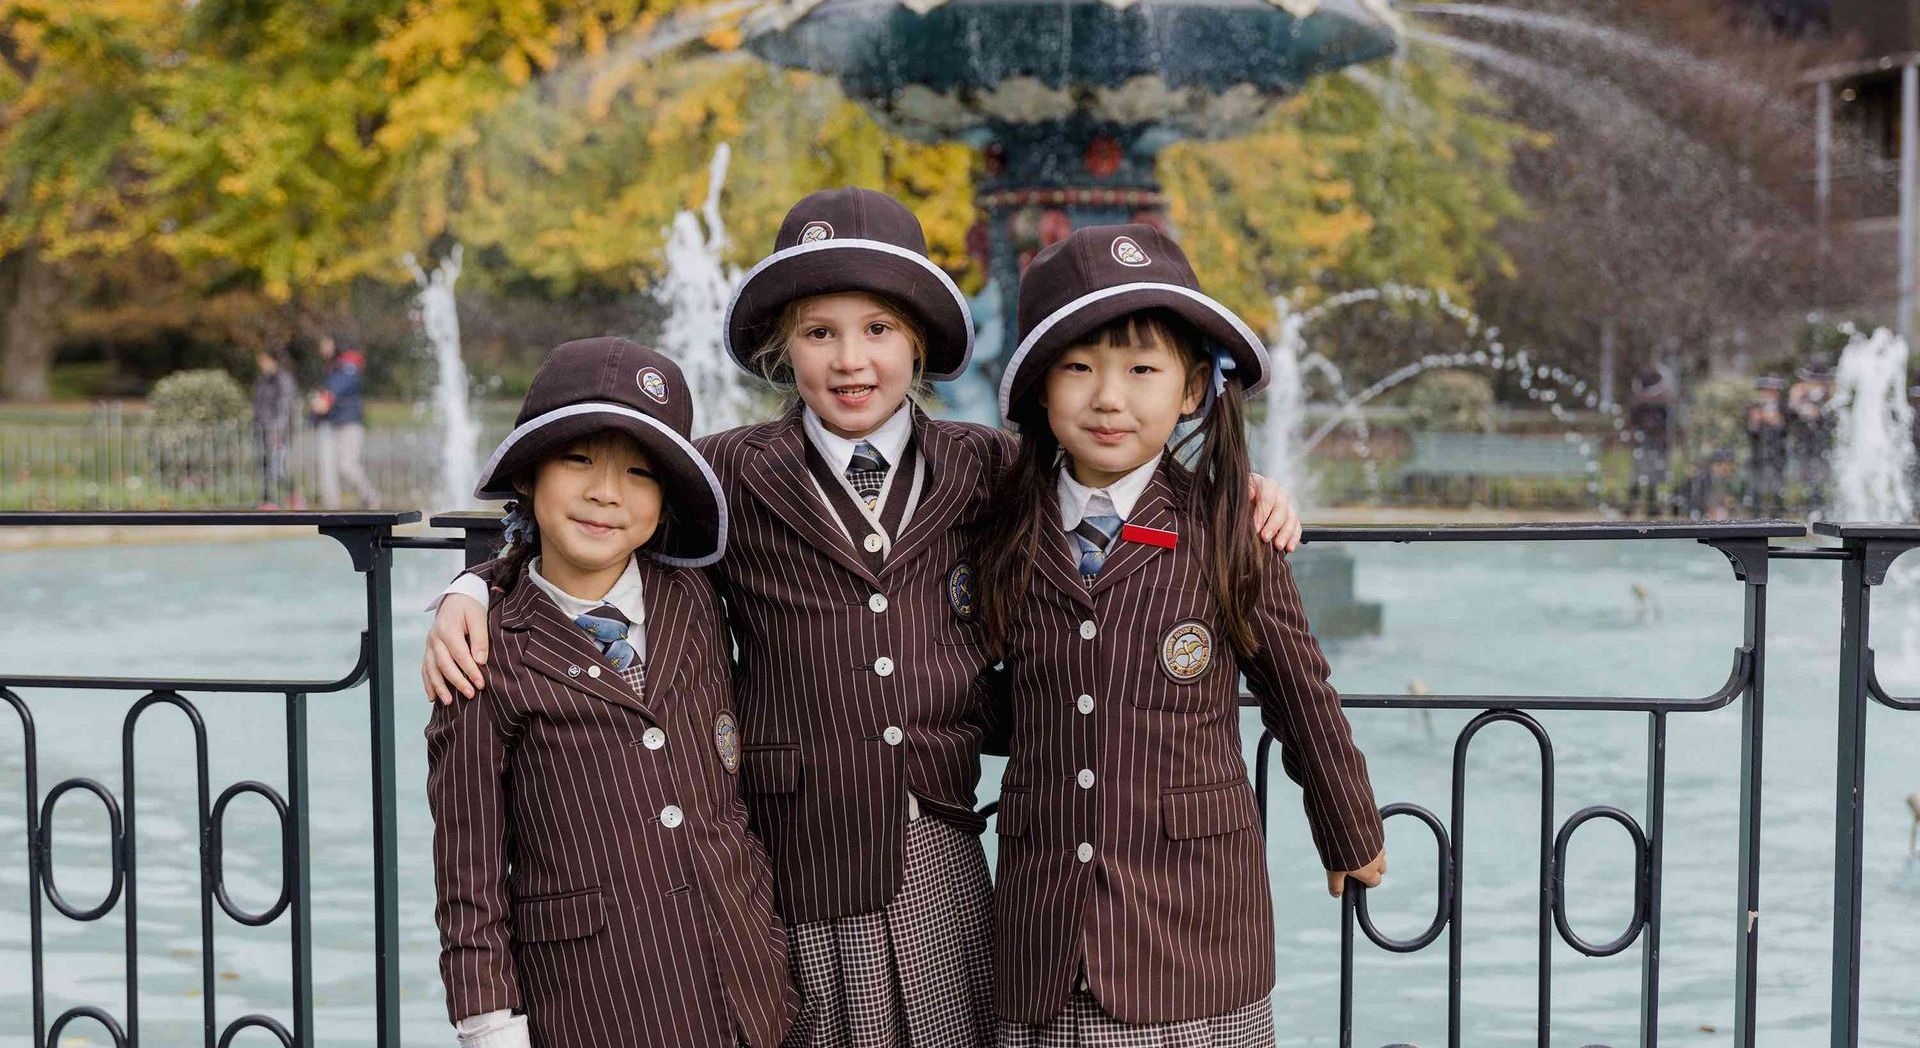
point(696, 289)
point(1873, 449)
point(459, 433)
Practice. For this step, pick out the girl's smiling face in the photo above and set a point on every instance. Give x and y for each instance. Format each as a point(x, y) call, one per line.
point(595, 501)
point(853, 361)
point(1112, 408)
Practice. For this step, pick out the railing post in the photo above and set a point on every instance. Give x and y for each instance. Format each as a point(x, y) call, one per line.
point(386, 891)
point(1752, 733)
point(1850, 776)
point(298, 865)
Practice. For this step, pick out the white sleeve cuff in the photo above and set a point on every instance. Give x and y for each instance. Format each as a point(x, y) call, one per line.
point(466, 585)
point(501, 1029)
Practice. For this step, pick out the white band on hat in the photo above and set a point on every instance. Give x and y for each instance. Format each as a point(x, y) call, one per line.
point(959, 300)
point(1064, 312)
point(539, 422)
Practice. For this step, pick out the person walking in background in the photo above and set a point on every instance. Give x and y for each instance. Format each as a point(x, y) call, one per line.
point(274, 396)
point(340, 430)
point(1767, 446)
point(1649, 416)
point(1810, 430)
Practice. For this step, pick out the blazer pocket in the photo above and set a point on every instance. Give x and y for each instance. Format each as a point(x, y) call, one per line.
point(1207, 811)
point(552, 918)
point(770, 769)
point(1015, 814)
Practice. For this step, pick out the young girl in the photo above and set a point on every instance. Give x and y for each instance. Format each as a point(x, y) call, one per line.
point(597, 883)
point(859, 673)
point(1131, 901)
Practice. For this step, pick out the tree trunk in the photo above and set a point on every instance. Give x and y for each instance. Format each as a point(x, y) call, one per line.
point(27, 333)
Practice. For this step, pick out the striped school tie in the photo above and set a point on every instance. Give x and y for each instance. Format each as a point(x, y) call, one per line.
point(867, 473)
point(1095, 534)
point(609, 627)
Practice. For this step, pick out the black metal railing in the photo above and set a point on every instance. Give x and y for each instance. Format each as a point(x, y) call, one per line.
point(1865, 553)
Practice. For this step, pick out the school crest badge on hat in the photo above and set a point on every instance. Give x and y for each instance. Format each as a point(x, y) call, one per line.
point(653, 384)
point(960, 595)
point(726, 741)
point(816, 231)
point(1128, 253)
point(1186, 651)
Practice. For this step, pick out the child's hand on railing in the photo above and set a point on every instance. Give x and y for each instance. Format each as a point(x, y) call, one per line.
point(456, 649)
point(1368, 875)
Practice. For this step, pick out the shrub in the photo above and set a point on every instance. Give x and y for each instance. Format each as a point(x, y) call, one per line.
point(1451, 402)
point(202, 397)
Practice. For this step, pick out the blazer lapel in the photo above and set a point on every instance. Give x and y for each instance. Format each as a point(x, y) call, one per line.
point(1060, 562)
point(561, 651)
point(1154, 510)
point(952, 478)
point(668, 623)
point(782, 483)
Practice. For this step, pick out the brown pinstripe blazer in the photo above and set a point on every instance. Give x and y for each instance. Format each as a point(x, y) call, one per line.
point(826, 790)
point(1171, 913)
point(561, 889)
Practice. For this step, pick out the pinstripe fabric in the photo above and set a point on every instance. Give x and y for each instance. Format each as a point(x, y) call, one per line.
point(1171, 914)
point(825, 787)
point(565, 888)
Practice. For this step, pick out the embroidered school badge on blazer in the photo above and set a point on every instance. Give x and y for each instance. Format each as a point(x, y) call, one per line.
point(960, 590)
point(726, 742)
point(1186, 651)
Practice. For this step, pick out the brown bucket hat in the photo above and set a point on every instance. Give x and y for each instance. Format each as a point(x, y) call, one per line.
point(610, 383)
point(1102, 273)
point(853, 239)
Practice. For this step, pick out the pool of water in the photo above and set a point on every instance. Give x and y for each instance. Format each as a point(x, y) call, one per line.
point(1510, 618)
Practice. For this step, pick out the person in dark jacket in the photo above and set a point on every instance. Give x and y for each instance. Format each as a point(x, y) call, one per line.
point(273, 403)
point(340, 429)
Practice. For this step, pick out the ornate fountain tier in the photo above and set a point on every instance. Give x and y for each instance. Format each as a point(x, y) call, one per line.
point(1129, 68)
point(1071, 101)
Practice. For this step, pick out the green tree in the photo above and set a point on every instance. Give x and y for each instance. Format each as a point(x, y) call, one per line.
point(71, 80)
point(1396, 172)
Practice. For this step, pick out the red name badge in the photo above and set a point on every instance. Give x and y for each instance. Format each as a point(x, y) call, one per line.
point(1149, 536)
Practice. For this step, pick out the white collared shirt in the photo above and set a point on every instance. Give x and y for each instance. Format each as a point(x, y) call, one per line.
point(1078, 502)
point(628, 594)
point(889, 438)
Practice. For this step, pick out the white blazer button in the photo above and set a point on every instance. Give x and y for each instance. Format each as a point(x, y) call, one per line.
point(873, 543)
point(877, 602)
point(1088, 630)
point(883, 666)
point(653, 738)
point(594, 672)
point(1085, 778)
point(1084, 704)
point(573, 671)
point(893, 735)
point(1085, 852)
point(670, 816)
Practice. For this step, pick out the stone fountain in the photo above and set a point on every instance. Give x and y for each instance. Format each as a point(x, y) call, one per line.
point(1070, 103)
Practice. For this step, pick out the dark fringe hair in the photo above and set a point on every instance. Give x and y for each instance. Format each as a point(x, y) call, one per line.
point(1213, 490)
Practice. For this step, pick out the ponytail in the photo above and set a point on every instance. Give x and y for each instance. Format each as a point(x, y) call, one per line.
point(523, 544)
